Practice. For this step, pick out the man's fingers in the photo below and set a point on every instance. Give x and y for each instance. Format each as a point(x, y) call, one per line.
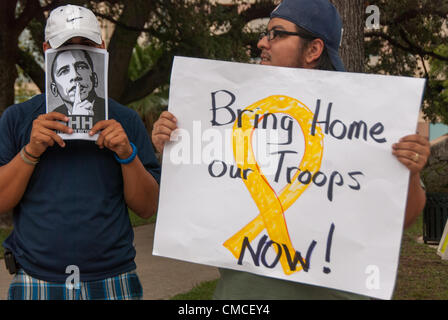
point(159, 141)
point(54, 121)
point(162, 138)
point(410, 164)
point(42, 137)
point(165, 122)
point(57, 138)
point(410, 146)
point(413, 151)
point(54, 116)
point(110, 136)
point(54, 125)
point(100, 125)
point(109, 129)
point(411, 155)
point(416, 138)
point(163, 130)
point(49, 136)
point(168, 115)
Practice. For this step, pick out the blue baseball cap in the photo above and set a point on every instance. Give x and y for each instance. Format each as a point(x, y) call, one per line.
point(320, 18)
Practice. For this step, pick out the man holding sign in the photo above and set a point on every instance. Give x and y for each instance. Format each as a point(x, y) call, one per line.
point(305, 34)
point(72, 237)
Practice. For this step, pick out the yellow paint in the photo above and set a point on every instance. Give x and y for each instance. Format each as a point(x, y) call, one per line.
point(272, 206)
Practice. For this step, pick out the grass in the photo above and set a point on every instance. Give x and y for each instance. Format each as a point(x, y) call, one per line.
point(203, 291)
point(137, 221)
point(422, 275)
point(3, 234)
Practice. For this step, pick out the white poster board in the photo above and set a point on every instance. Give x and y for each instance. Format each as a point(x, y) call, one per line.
point(313, 194)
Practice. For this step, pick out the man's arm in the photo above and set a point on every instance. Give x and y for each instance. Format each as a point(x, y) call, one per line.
point(416, 200)
point(14, 178)
point(15, 175)
point(141, 190)
point(413, 151)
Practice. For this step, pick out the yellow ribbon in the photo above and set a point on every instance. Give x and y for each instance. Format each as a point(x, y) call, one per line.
point(271, 206)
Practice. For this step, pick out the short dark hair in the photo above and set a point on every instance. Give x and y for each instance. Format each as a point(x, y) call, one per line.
point(86, 54)
point(324, 61)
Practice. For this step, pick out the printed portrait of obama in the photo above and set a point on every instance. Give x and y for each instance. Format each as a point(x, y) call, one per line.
point(74, 80)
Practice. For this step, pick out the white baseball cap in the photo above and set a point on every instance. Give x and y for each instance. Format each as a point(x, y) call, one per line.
point(70, 21)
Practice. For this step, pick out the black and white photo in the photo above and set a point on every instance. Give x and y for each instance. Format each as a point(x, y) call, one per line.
point(76, 86)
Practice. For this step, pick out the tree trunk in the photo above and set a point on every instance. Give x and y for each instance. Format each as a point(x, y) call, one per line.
point(8, 72)
point(8, 56)
point(353, 18)
point(135, 14)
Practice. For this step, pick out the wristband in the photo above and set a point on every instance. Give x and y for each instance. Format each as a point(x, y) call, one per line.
point(26, 160)
point(131, 157)
point(29, 154)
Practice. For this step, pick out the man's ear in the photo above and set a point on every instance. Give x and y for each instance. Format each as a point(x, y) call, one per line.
point(314, 51)
point(46, 46)
point(94, 80)
point(54, 89)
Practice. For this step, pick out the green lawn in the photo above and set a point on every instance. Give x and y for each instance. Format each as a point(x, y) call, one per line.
point(203, 291)
point(3, 234)
point(137, 221)
point(422, 274)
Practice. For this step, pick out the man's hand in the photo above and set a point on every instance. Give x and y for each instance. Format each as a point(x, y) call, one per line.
point(43, 134)
point(113, 137)
point(413, 151)
point(162, 130)
point(81, 107)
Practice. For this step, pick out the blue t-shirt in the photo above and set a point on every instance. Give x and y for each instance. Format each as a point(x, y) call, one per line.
point(73, 211)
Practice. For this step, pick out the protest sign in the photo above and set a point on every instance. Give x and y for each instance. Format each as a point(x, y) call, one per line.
point(287, 173)
point(76, 86)
point(442, 249)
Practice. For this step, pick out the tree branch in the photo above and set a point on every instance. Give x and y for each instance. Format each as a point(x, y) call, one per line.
point(122, 44)
point(29, 65)
point(411, 48)
point(258, 10)
point(413, 13)
point(143, 86)
point(32, 9)
point(121, 24)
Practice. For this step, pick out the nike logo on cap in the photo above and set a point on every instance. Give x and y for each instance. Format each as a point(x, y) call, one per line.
point(73, 19)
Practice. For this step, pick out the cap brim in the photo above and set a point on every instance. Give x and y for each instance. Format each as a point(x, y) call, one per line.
point(336, 59)
point(61, 38)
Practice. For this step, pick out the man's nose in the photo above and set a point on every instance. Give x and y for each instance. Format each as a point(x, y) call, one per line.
point(75, 79)
point(263, 43)
point(75, 75)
